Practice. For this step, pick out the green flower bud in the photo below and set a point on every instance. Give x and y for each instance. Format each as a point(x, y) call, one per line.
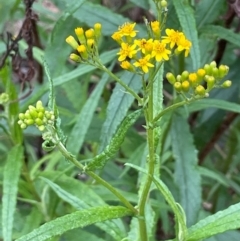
point(215, 72)
point(208, 69)
point(41, 127)
point(171, 78)
point(163, 4)
point(179, 78)
point(213, 64)
point(21, 116)
point(210, 82)
point(226, 84)
point(33, 113)
point(223, 70)
point(185, 86)
point(184, 75)
point(23, 126)
point(27, 115)
point(178, 86)
point(200, 90)
point(29, 122)
point(40, 115)
point(38, 121)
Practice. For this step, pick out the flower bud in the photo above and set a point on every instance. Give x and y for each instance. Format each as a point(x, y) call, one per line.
point(226, 84)
point(89, 33)
point(97, 29)
point(23, 126)
point(208, 69)
point(41, 128)
point(210, 82)
point(21, 116)
point(215, 72)
point(185, 86)
point(38, 121)
point(29, 122)
point(178, 86)
point(223, 70)
point(200, 90)
point(72, 42)
point(193, 79)
point(75, 58)
point(213, 64)
point(163, 4)
point(184, 75)
point(171, 78)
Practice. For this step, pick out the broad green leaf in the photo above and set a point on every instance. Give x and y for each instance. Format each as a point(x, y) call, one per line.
point(79, 204)
point(187, 176)
point(11, 176)
point(74, 235)
point(77, 135)
point(118, 106)
point(187, 20)
point(64, 78)
point(210, 103)
point(74, 220)
point(228, 219)
point(179, 216)
point(223, 33)
point(207, 11)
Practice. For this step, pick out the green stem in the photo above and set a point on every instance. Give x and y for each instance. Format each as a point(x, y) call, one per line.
point(127, 88)
point(171, 108)
point(151, 163)
point(72, 159)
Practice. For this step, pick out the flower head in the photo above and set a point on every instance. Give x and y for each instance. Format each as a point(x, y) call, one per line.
point(184, 44)
point(159, 51)
point(145, 46)
point(173, 37)
point(127, 29)
point(144, 63)
point(126, 51)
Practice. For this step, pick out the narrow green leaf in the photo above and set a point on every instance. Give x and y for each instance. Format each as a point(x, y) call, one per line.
point(207, 11)
point(11, 176)
point(75, 220)
point(182, 229)
point(106, 57)
point(219, 177)
point(186, 175)
point(79, 204)
point(209, 103)
point(77, 135)
point(71, 7)
point(118, 106)
point(223, 33)
point(219, 222)
point(187, 20)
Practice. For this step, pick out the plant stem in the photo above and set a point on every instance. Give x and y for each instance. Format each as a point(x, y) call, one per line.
point(128, 89)
point(171, 108)
point(72, 159)
point(151, 163)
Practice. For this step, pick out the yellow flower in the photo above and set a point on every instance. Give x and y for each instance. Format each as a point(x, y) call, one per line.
point(127, 29)
point(80, 34)
point(173, 37)
point(145, 46)
point(83, 51)
point(159, 51)
point(184, 44)
point(117, 37)
point(144, 63)
point(126, 51)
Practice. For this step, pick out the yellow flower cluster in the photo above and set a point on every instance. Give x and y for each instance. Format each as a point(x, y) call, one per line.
point(146, 52)
point(200, 82)
point(86, 43)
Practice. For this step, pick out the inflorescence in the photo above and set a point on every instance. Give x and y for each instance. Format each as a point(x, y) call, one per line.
point(201, 82)
point(86, 43)
point(145, 53)
point(37, 116)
